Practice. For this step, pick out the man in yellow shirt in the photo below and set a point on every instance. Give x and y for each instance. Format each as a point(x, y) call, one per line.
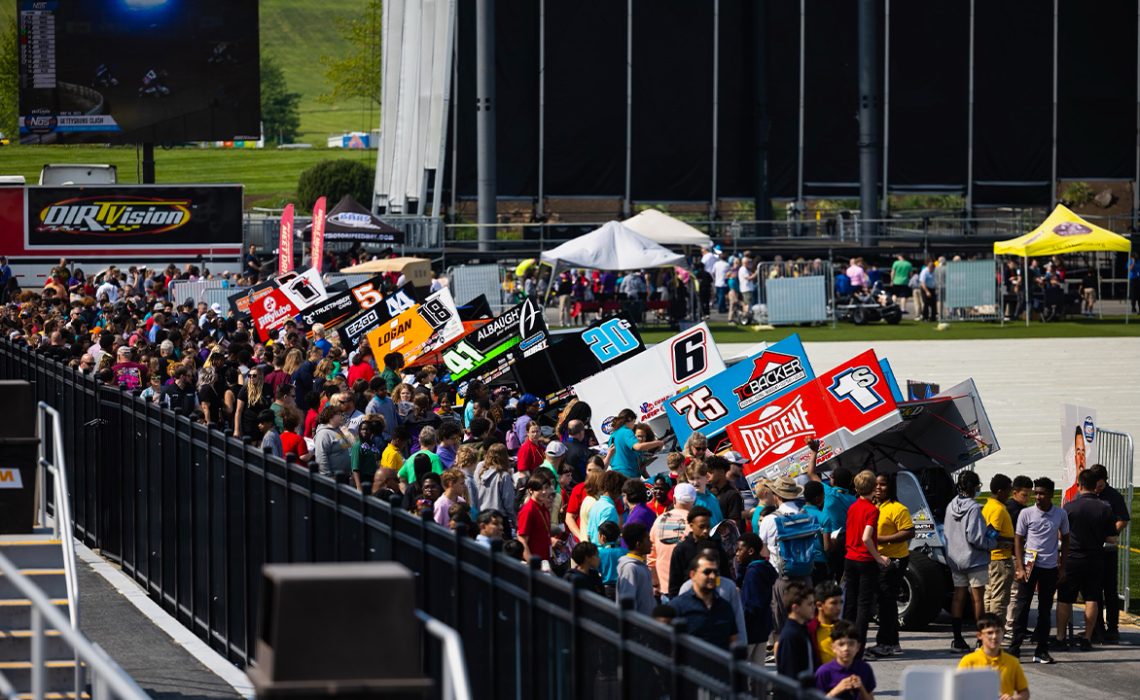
point(895, 530)
point(997, 517)
point(1011, 679)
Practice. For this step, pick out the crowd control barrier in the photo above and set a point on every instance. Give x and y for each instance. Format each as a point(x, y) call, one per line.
point(192, 515)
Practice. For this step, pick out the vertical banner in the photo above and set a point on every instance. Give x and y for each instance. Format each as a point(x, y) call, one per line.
point(1078, 445)
point(317, 254)
point(285, 242)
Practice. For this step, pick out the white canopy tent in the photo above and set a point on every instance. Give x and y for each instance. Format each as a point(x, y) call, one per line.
point(664, 229)
point(614, 246)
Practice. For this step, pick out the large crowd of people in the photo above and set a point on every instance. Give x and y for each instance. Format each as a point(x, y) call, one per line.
point(807, 566)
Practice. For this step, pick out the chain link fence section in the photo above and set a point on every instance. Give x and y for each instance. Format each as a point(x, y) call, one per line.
point(469, 281)
point(1116, 453)
point(969, 290)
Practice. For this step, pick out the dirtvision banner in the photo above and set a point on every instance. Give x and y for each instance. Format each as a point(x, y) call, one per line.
point(518, 332)
point(93, 217)
point(1078, 440)
point(725, 398)
point(376, 313)
point(647, 381)
point(576, 355)
point(418, 330)
point(841, 409)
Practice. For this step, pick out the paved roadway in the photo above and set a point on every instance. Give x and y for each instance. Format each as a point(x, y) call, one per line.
point(1108, 672)
point(1022, 384)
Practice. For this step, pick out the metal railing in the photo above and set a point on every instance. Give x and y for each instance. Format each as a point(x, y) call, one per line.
point(456, 685)
point(61, 513)
point(1116, 454)
point(108, 680)
point(192, 514)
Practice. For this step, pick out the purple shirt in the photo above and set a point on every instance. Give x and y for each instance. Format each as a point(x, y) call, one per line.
point(641, 513)
point(828, 676)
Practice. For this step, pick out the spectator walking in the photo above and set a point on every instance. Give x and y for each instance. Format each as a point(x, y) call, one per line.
point(534, 520)
point(795, 652)
point(756, 580)
point(928, 283)
point(668, 530)
point(789, 534)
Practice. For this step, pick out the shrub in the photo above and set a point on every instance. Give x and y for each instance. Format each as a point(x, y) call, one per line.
point(334, 179)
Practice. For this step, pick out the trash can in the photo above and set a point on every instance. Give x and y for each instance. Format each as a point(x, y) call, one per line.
point(18, 454)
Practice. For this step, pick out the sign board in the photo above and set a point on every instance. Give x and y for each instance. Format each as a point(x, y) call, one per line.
point(338, 308)
point(840, 409)
point(518, 332)
point(375, 313)
point(303, 290)
point(726, 397)
point(647, 381)
point(1079, 446)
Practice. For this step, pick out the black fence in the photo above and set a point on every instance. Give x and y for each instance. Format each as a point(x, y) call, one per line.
point(192, 514)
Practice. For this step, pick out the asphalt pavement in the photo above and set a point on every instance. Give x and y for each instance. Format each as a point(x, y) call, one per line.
point(1107, 672)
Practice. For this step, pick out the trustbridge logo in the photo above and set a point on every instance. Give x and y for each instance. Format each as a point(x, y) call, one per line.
point(114, 216)
point(776, 430)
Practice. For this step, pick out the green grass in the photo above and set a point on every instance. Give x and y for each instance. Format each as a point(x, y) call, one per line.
point(269, 175)
point(912, 330)
point(297, 33)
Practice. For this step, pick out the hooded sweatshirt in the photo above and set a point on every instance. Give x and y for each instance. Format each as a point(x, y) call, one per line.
point(635, 581)
point(968, 544)
point(496, 491)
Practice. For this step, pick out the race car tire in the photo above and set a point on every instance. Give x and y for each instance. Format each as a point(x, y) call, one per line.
point(922, 593)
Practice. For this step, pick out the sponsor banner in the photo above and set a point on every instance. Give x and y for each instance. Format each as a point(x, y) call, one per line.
point(647, 381)
point(317, 256)
point(377, 310)
point(270, 312)
point(419, 329)
point(435, 357)
point(80, 217)
point(285, 241)
point(518, 332)
point(726, 397)
point(1079, 446)
point(352, 300)
point(841, 409)
point(574, 356)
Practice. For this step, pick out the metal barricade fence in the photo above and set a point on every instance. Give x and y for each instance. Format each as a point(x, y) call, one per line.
point(191, 514)
point(969, 290)
point(800, 291)
point(181, 290)
point(1116, 454)
point(469, 281)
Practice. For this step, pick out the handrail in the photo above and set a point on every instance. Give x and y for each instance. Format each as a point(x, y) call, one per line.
point(61, 522)
point(456, 685)
point(106, 674)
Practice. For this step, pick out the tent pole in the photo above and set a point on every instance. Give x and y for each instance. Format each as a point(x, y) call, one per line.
point(550, 284)
point(1025, 283)
point(626, 205)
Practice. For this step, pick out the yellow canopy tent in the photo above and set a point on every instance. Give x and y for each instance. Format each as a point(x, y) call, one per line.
point(1062, 232)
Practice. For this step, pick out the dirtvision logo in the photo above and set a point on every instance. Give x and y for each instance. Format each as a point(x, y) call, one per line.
point(772, 372)
point(112, 216)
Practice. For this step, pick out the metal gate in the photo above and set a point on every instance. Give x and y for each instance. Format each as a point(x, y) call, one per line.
point(1116, 456)
point(469, 281)
point(796, 291)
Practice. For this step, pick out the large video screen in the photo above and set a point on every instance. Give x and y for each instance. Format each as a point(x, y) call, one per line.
point(133, 71)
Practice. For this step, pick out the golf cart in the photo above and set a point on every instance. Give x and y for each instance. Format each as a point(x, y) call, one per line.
point(860, 307)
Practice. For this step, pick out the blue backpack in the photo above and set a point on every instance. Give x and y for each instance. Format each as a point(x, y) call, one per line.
point(795, 536)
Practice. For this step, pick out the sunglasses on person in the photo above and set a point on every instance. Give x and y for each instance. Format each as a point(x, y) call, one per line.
point(709, 572)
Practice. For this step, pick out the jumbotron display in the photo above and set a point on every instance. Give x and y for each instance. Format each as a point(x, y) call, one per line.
point(131, 71)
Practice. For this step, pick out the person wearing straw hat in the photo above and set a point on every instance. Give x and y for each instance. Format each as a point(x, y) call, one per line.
point(788, 494)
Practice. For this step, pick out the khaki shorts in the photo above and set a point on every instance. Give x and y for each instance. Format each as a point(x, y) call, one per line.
point(977, 577)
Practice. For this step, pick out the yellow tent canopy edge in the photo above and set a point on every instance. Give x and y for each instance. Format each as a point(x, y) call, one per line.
point(1063, 232)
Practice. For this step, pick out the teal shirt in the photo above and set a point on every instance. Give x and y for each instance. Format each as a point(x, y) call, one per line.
point(625, 459)
point(602, 511)
point(707, 500)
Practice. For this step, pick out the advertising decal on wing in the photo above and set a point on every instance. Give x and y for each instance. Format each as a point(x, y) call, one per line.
point(520, 331)
point(724, 398)
point(839, 409)
point(648, 380)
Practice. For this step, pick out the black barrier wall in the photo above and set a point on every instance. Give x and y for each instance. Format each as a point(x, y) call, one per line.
point(192, 514)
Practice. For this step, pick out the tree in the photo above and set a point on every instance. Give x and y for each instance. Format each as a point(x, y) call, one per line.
point(9, 79)
point(280, 116)
point(357, 74)
point(334, 179)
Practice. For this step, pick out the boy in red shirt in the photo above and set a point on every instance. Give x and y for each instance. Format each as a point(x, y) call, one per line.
point(863, 559)
point(534, 519)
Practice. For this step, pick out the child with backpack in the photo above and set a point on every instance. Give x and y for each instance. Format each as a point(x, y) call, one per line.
point(790, 535)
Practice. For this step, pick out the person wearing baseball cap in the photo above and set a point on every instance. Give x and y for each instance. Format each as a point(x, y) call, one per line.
point(529, 406)
point(788, 494)
point(555, 453)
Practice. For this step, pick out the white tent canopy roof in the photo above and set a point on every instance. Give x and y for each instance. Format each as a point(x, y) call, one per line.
point(614, 246)
point(666, 230)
